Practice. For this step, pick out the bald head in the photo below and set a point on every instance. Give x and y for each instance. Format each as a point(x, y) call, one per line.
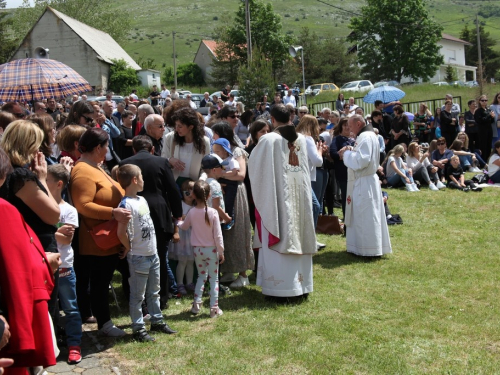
point(356, 123)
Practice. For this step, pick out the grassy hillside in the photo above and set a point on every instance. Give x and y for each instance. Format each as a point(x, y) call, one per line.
point(154, 21)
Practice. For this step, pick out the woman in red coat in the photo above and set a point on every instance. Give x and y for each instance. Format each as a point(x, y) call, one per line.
point(26, 281)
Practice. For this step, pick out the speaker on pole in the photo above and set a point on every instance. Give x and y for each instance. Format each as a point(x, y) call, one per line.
point(41, 53)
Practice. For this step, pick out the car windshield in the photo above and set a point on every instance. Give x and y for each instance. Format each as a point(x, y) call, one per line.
point(349, 85)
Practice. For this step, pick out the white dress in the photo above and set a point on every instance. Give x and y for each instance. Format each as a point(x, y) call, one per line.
point(287, 275)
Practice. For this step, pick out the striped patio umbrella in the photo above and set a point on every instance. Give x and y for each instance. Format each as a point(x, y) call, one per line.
point(37, 79)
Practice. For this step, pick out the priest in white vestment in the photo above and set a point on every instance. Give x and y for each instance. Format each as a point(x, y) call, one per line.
point(367, 232)
point(281, 187)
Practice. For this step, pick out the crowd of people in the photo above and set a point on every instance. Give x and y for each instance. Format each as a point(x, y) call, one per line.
point(169, 198)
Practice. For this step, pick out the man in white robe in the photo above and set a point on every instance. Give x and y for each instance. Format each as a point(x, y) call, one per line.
point(281, 186)
point(367, 232)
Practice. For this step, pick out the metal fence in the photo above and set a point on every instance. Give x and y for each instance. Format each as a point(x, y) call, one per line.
point(411, 107)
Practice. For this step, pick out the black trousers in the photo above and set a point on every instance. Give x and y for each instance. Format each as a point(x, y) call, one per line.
point(162, 241)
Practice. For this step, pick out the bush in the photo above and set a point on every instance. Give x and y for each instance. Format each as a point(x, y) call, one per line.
point(121, 76)
point(215, 18)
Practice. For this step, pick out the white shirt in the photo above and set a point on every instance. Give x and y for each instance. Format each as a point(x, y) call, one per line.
point(352, 110)
point(289, 99)
point(192, 104)
point(231, 163)
point(230, 103)
point(140, 228)
point(134, 96)
point(186, 155)
point(493, 168)
point(164, 93)
point(68, 215)
point(312, 156)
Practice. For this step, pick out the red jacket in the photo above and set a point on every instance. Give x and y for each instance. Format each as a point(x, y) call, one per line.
point(26, 282)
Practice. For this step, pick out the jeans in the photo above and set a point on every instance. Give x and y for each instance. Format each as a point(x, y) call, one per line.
point(319, 186)
point(465, 161)
point(316, 208)
point(396, 179)
point(144, 283)
point(67, 298)
point(495, 177)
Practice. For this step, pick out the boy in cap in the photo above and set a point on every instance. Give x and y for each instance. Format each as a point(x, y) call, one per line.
point(222, 148)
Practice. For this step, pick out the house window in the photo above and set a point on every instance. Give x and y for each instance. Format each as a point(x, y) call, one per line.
point(452, 55)
point(154, 76)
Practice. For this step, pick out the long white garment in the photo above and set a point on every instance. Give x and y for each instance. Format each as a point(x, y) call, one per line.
point(367, 232)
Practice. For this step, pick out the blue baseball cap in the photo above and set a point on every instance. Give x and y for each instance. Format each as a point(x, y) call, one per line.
point(225, 145)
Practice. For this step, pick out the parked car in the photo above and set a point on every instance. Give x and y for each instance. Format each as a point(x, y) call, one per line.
point(357, 86)
point(197, 98)
point(441, 83)
point(386, 83)
point(183, 93)
point(471, 84)
point(457, 83)
point(116, 98)
point(321, 88)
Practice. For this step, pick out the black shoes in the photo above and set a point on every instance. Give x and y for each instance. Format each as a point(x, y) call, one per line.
point(162, 327)
point(143, 336)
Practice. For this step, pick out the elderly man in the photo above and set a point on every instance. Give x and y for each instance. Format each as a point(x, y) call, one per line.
point(303, 110)
point(162, 196)
point(84, 97)
point(352, 107)
point(107, 107)
point(39, 108)
point(205, 100)
point(120, 108)
point(191, 103)
point(109, 97)
point(143, 111)
point(289, 98)
point(367, 233)
point(154, 126)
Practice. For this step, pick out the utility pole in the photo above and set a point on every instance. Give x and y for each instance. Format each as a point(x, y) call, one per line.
point(175, 63)
point(479, 60)
point(248, 31)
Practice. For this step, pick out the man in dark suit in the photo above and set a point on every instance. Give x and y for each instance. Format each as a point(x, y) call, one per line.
point(162, 195)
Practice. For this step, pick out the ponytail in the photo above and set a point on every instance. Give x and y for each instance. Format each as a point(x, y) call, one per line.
point(201, 191)
point(207, 220)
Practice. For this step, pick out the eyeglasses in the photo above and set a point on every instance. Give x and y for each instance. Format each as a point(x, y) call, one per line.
point(441, 144)
point(162, 126)
point(304, 113)
point(88, 119)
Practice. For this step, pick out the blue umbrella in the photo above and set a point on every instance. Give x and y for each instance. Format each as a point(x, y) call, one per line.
point(386, 94)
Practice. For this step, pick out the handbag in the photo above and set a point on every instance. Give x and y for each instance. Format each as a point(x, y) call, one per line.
point(329, 225)
point(105, 234)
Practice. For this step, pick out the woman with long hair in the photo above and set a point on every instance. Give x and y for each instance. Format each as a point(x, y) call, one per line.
point(186, 145)
point(421, 167)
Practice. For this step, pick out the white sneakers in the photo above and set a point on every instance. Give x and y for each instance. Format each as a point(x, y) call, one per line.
point(433, 187)
point(227, 278)
point(412, 187)
point(474, 169)
point(240, 282)
point(110, 330)
point(440, 185)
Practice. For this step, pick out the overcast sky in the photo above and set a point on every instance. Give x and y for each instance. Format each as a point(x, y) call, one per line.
point(15, 3)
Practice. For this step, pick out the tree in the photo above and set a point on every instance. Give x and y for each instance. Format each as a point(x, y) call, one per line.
point(7, 44)
point(148, 63)
point(256, 79)
point(122, 77)
point(396, 38)
point(336, 66)
point(490, 57)
point(267, 36)
point(96, 13)
point(451, 74)
point(189, 74)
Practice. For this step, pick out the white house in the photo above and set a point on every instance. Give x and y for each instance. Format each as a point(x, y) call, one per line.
point(85, 49)
point(149, 77)
point(204, 57)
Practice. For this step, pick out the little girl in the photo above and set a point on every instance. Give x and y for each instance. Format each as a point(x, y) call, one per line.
point(397, 171)
point(182, 251)
point(206, 239)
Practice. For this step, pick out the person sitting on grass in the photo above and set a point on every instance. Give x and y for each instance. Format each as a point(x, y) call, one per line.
point(479, 162)
point(456, 179)
point(421, 167)
point(467, 159)
point(139, 239)
point(397, 172)
point(494, 164)
point(440, 157)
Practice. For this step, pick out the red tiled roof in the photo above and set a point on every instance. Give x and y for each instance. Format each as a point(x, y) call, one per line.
point(452, 38)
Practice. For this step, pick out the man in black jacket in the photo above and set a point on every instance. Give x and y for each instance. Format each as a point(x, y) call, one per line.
point(162, 195)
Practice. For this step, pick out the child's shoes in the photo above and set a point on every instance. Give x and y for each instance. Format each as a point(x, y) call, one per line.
point(181, 289)
point(195, 309)
point(215, 312)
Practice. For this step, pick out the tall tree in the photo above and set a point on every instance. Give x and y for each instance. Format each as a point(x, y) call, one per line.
point(7, 44)
point(256, 79)
point(267, 35)
point(95, 13)
point(490, 57)
point(396, 38)
point(122, 77)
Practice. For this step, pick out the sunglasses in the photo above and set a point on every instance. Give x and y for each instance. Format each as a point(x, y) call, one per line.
point(19, 115)
point(88, 119)
point(483, 100)
point(234, 116)
point(441, 144)
point(161, 126)
point(304, 113)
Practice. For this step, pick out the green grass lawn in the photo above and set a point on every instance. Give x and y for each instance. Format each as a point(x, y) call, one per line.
point(429, 308)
